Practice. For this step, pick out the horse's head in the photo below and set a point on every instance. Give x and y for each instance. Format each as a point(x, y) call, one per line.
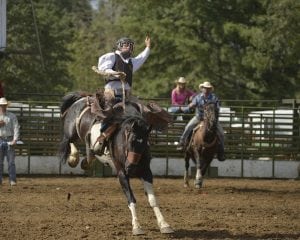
point(211, 115)
point(135, 140)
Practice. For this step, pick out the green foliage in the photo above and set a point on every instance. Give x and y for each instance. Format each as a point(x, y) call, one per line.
point(37, 56)
point(249, 49)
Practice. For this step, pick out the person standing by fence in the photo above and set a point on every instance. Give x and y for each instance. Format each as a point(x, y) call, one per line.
point(9, 135)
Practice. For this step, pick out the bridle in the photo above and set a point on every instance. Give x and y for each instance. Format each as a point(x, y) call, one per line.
point(131, 157)
point(211, 125)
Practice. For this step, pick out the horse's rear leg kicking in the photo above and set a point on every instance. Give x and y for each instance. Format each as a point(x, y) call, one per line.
point(73, 158)
point(90, 157)
point(162, 224)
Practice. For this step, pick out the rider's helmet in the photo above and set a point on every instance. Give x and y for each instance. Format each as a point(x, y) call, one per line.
point(125, 40)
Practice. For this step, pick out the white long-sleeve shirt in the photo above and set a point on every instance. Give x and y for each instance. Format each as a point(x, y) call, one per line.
point(107, 61)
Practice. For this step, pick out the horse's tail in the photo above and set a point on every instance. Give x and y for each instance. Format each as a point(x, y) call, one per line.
point(70, 98)
point(64, 150)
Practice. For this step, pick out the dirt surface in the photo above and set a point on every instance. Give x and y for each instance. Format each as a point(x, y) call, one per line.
point(38, 208)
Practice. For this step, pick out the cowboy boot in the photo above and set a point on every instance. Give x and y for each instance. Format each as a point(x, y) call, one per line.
point(103, 137)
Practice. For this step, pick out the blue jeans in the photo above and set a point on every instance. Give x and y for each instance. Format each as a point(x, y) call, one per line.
point(9, 152)
point(188, 129)
point(177, 109)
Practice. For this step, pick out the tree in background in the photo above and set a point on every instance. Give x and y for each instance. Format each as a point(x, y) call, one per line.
point(92, 41)
point(248, 49)
point(38, 51)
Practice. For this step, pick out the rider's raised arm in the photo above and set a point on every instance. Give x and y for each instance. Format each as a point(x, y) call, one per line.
point(139, 60)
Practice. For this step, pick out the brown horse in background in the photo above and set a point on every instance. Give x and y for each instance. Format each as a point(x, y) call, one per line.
point(203, 145)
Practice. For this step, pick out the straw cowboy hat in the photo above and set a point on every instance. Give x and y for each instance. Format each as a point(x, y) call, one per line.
point(3, 101)
point(181, 80)
point(206, 85)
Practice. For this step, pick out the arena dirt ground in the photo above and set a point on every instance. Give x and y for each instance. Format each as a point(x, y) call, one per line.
point(38, 208)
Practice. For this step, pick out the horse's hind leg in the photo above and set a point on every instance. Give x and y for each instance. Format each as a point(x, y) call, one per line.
point(162, 224)
point(73, 159)
point(90, 157)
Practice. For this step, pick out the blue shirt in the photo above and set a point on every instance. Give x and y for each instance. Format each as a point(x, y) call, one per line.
point(199, 100)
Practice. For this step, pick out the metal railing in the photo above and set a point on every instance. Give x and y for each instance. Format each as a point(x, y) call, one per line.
point(250, 132)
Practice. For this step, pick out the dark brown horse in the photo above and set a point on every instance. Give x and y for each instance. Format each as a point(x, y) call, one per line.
point(203, 145)
point(128, 147)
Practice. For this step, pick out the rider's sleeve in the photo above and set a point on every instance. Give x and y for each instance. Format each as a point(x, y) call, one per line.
point(106, 62)
point(139, 60)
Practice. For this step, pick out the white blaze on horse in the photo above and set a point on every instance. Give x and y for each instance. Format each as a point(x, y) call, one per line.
point(128, 146)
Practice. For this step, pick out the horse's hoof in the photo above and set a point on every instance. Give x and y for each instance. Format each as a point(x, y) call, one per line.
point(73, 164)
point(84, 164)
point(186, 185)
point(137, 231)
point(198, 184)
point(166, 230)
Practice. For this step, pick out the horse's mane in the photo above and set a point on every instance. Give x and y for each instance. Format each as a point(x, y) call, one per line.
point(131, 118)
point(70, 98)
point(129, 115)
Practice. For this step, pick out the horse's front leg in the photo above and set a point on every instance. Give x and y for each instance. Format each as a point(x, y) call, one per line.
point(124, 181)
point(198, 178)
point(162, 224)
point(186, 171)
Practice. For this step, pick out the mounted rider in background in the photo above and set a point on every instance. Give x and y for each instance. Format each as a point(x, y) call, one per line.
point(205, 96)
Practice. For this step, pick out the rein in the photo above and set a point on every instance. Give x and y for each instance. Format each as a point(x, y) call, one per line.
point(210, 123)
point(122, 77)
